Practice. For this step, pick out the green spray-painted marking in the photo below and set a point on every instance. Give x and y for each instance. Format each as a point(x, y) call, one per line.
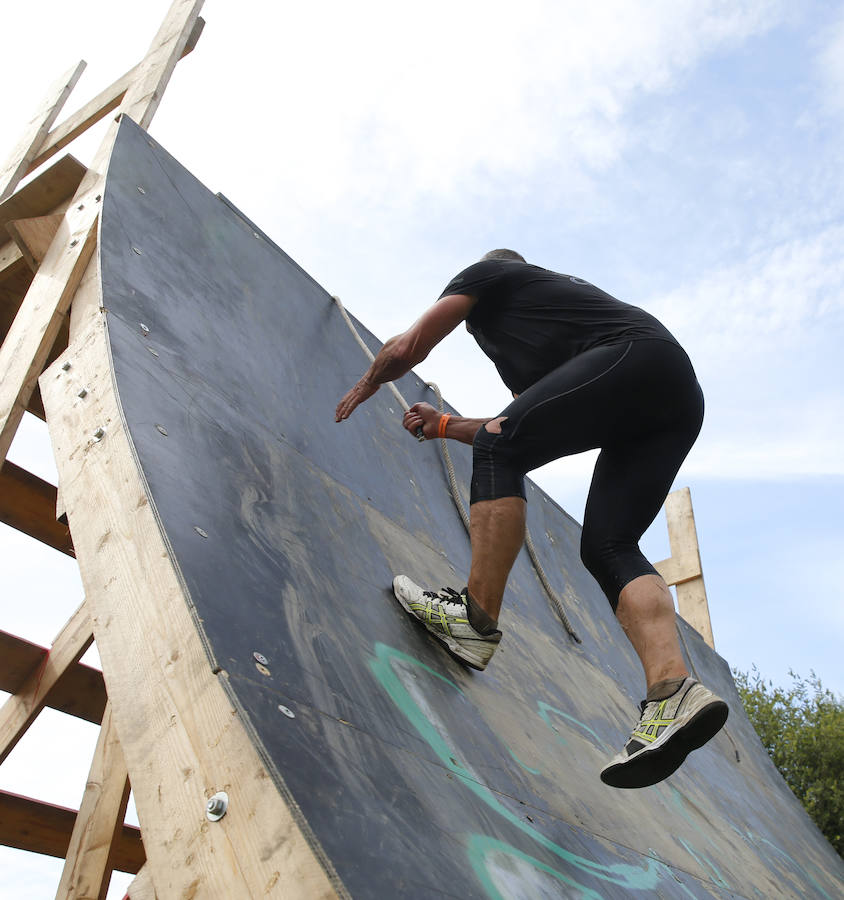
point(481, 847)
point(546, 708)
point(794, 863)
point(526, 768)
point(633, 877)
point(705, 862)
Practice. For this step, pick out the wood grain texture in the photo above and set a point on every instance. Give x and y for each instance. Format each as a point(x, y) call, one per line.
point(36, 130)
point(22, 708)
point(98, 108)
point(181, 737)
point(34, 236)
point(45, 828)
point(28, 503)
point(88, 864)
point(79, 692)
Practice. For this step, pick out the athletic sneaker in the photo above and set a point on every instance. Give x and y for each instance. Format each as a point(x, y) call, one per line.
point(444, 613)
point(666, 733)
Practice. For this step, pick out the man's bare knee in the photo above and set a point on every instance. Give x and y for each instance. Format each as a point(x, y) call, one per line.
point(494, 425)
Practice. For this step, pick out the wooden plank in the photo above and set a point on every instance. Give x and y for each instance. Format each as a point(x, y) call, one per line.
point(28, 503)
point(45, 828)
point(18, 162)
point(682, 537)
point(33, 333)
point(142, 887)
point(21, 709)
point(34, 236)
point(15, 279)
point(167, 48)
point(79, 692)
point(46, 192)
point(181, 737)
point(98, 108)
point(87, 869)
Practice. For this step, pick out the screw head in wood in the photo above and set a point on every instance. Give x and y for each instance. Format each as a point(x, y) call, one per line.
point(144, 328)
point(217, 806)
point(161, 430)
point(260, 658)
point(201, 532)
point(83, 393)
point(99, 434)
point(65, 366)
point(287, 712)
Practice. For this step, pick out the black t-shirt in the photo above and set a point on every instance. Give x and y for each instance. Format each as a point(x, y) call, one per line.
point(529, 320)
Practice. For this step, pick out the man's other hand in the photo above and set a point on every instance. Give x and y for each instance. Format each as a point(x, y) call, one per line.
point(363, 390)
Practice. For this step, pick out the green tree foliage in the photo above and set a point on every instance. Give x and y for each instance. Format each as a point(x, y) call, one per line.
point(802, 728)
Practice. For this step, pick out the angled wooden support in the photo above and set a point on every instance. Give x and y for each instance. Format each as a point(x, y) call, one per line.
point(34, 236)
point(27, 346)
point(684, 569)
point(99, 107)
point(19, 161)
point(28, 503)
point(45, 828)
point(182, 739)
point(79, 692)
point(31, 337)
point(99, 823)
point(22, 708)
point(142, 887)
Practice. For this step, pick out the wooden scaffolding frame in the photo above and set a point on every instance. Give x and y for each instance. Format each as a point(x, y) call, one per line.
point(166, 725)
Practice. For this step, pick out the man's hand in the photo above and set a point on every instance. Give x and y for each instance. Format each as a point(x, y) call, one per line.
point(363, 390)
point(424, 416)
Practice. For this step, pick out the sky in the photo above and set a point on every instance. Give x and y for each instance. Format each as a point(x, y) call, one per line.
point(684, 155)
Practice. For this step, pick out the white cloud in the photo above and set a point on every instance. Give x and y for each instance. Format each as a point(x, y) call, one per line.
point(830, 62)
point(763, 335)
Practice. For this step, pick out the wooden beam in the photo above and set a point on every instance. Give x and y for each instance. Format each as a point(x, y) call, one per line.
point(181, 737)
point(153, 73)
point(34, 236)
point(33, 333)
point(46, 193)
point(684, 568)
point(22, 708)
point(79, 692)
point(88, 865)
point(28, 503)
point(38, 827)
point(98, 108)
point(142, 887)
point(18, 163)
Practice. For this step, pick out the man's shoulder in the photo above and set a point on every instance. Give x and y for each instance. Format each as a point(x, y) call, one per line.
point(480, 275)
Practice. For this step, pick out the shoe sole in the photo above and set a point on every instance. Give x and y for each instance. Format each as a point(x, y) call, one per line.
point(654, 764)
point(454, 647)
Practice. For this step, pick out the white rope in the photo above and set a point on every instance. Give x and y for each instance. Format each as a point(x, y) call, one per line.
point(452, 478)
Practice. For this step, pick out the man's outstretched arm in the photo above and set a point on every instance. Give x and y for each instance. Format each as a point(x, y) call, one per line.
point(402, 352)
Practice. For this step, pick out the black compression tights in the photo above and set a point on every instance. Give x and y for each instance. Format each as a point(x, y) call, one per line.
point(641, 404)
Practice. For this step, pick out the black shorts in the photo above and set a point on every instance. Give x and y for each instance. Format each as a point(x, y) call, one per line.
point(641, 404)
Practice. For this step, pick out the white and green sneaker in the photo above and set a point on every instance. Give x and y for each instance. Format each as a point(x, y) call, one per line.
point(665, 735)
point(444, 613)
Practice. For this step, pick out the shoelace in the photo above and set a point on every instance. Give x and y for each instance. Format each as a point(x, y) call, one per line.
point(447, 595)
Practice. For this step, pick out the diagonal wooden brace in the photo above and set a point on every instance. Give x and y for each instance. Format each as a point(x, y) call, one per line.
point(22, 708)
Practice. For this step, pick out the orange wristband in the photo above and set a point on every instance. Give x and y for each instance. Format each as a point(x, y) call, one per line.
point(443, 422)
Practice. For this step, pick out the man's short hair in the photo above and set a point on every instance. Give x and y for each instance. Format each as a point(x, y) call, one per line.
point(504, 254)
